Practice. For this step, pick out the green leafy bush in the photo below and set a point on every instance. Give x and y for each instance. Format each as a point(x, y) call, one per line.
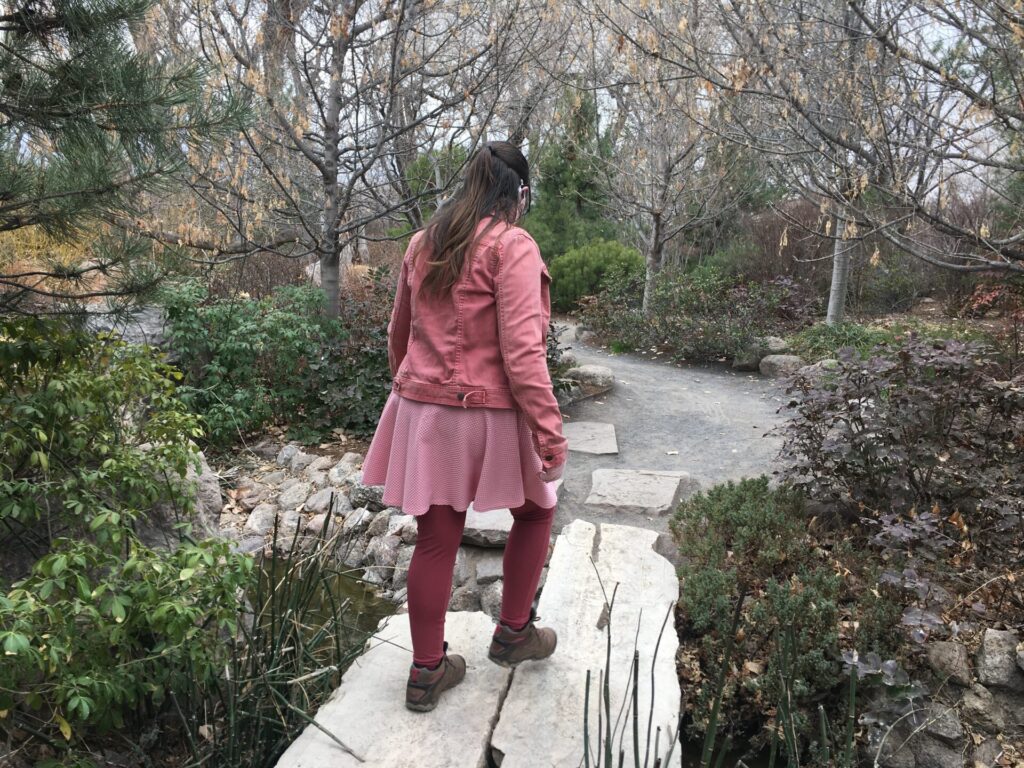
point(101, 627)
point(579, 272)
point(747, 541)
point(698, 315)
point(250, 363)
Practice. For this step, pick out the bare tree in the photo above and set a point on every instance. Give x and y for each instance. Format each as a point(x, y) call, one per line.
point(884, 113)
point(665, 170)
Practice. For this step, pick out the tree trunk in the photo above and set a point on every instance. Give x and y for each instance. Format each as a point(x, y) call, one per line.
point(654, 256)
point(840, 273)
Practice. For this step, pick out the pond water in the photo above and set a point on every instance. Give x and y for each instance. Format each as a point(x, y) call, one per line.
point(359, 607)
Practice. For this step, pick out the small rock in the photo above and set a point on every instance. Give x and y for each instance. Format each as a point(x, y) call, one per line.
point(380, 523)
point(401, 577)
point(247, 545)
point(894, 752)
point(261, 519)
point(253, 495)
point(490, 599)
point(943, 723)
point(375, 576)
point(569, 360)
point(287, 524)
point(318, 479)
point(285, 456)
point(357, 521)
point(300, 461)
point(465, 598)
point(596, 376)
point(986, 754)
point(315, 525)
point(780, 365)
point(1012, 705)
point(996, 662)
point(774, 345)
point(932, 753)
point(950, 661)
point(404, 527)
point(487, 529)
point(401, 596)
point(338, 476)
point(294, 496)
point(276, 477)
point(488, 566)
point(463, 569)
point(321, 500)
point(383, 551)
point(319, 464)
point(979, 707)
point(369, 496)
point(266, 449)
point(288, 482)
point(342, 472)
point(352, 553)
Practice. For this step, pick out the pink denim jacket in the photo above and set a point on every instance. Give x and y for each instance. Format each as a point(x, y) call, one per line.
point(485, 345)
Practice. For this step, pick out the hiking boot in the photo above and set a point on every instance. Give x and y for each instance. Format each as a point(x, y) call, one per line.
point(425, 686)
point(509, 648)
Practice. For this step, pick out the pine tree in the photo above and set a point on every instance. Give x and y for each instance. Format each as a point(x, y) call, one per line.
point(88, 126)
point(570, 211)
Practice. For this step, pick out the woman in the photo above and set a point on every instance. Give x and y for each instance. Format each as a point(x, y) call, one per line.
point(472, 416)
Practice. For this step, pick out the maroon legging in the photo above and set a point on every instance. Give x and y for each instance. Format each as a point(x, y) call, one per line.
point(433, 561)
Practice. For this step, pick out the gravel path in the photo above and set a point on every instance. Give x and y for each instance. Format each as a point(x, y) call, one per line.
point(709, 421)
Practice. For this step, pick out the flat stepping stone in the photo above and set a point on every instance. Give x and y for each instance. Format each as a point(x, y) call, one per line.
point(367, 712)
point(541, 722)
point(641, 491)
point(591, 437)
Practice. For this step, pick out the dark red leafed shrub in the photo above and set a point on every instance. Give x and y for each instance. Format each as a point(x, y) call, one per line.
point(920, 431)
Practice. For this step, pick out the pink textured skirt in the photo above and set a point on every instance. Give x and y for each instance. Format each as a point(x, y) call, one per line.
point(426, 454)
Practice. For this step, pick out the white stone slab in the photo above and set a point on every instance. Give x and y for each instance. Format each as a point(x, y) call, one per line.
point(367, 712)
point(590, 437)
point(638, 490)
point(541, 722)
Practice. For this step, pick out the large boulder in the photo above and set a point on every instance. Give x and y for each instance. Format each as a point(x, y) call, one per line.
point(159, 528)
point(778, 366)
point(594, 377)
point(749, 357)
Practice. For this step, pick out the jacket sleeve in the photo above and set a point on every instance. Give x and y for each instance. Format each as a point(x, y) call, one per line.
point(523, 338)
point(401, 316)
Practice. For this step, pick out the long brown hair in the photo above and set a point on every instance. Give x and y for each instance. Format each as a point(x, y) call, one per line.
point(491, 188)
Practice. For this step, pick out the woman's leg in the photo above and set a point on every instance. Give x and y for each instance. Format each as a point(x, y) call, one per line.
point(525, 553)
point(439, 532)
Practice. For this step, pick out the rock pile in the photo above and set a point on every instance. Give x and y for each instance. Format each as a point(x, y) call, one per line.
point(305, 497)
point(977, 707)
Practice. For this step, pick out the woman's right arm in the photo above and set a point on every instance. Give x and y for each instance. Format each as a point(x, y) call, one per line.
point(522, 334)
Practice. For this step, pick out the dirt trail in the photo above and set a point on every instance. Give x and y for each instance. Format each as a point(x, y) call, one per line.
point(709, 421)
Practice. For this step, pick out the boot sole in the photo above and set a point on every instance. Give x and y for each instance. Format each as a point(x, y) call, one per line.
point(420, 707)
